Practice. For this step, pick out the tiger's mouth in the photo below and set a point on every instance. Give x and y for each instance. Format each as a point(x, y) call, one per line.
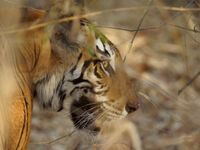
point(84, 113)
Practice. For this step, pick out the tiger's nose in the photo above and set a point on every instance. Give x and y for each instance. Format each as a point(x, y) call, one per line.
point(131, 107)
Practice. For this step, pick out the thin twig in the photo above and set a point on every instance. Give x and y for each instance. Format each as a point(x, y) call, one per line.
point(53, 141)
point(184, 28)
point(138, 27)
point(148, 99)
point(189, 83)
point(185, 55)
point(126, 29)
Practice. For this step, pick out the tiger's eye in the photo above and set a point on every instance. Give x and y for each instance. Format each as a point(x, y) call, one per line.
point(105, 64)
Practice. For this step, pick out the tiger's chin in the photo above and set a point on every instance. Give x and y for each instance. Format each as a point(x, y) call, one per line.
point(85, 126)
point(91, 116)
point(84, 114)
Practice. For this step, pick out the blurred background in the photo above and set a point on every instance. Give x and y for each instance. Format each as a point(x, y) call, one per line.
point(161, 42)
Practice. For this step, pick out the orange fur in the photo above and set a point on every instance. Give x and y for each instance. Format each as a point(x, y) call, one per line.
point(28, 57)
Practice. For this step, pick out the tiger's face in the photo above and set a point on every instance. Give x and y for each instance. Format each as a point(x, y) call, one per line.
point(101, 91)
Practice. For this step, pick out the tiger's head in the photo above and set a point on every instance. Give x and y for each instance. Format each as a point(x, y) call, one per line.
point(95, 83)
point(100, 89)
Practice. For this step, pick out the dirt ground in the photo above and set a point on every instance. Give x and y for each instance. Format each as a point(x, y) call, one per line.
point(165, 55)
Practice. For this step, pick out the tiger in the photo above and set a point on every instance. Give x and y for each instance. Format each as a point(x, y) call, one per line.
point(69, 64)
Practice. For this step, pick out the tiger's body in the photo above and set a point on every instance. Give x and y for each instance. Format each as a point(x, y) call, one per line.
point(70, 64)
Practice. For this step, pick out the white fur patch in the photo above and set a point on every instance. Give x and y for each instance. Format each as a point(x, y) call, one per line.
point(124, 113)
point(107, 47)
point(100, 45)
point(46, 91)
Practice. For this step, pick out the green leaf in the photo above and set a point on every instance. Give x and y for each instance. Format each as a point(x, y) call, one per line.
point(91, 51)
point(98, 34)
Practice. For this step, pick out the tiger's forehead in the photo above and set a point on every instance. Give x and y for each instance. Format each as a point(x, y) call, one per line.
point(96, 45)
point(90, 37)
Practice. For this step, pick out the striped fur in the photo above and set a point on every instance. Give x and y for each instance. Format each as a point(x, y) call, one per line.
point(97, 77)
point(69, 64)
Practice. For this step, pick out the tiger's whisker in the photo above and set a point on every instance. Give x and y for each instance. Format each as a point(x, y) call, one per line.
point(77, 109)
point(148, 99)
point(82, 119)
point(82, 115)
point(90, 118)
point(54, 140)
point(87, 119)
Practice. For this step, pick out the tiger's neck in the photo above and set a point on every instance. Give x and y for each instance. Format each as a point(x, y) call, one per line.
point(33, 60)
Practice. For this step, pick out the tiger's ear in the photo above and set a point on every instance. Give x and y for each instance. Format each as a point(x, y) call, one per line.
point(63, 34)
point(64, 9)
point(31, 15)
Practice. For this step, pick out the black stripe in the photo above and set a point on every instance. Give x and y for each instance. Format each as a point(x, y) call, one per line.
point(80, 78)
point(96, 61)
point(61, 94)
point(88, 87)
point(59, 87)
point(62, 97)
point(105, 52)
